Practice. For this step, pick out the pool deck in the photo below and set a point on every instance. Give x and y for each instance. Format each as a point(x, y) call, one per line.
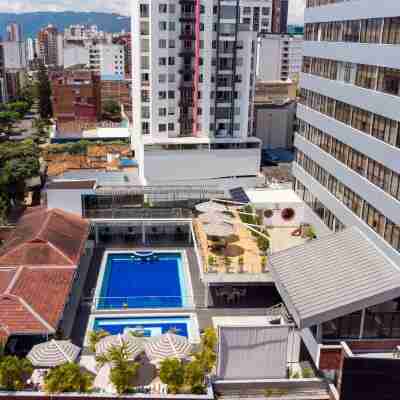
point(204, 315)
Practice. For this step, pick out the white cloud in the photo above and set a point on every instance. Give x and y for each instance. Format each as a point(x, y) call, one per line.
point(296, 7)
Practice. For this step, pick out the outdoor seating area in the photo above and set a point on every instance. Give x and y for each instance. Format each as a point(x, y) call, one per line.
point(117, 364)
point(226, 244)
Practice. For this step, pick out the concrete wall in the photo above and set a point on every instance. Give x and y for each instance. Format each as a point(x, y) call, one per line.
point(67, 200)
point(193, 166)
point(274, 125)
point(76, 55)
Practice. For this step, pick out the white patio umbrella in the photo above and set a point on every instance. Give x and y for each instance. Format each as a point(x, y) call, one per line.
point(53, 353)
point(218, 217)
point(134, 344)
point(102, 379)
point(222, 230)
point(167, 345)
point(210, 206)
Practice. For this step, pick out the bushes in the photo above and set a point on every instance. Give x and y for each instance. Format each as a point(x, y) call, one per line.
point(67, 378)
point(13, 372)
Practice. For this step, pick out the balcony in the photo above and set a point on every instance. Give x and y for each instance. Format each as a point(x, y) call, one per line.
point(187, 17)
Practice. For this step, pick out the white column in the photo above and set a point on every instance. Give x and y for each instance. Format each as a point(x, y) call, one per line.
point(143, 233)
point(362, 322)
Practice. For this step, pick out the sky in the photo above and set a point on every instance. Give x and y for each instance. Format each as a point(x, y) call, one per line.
point(296, 7)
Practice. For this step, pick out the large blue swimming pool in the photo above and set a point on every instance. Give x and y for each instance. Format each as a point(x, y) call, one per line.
point(148, 326)
point(137, 280)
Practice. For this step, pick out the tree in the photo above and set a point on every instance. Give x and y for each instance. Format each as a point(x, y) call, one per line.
point(111, 109)
point(95, 337)
point(194, 377)
point(20, 107)
point(172, 373)
point(13, 372)
point(206, 355)
point(123, 370)
point(7, 120)
point(45, 107)
point(68, 377)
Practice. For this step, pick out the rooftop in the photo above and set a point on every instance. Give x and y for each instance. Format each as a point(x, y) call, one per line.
point(333, 276)
point(45, 237)
point(272, 196)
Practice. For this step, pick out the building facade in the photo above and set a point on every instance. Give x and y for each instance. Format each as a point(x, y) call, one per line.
point(256, 14)
point(280, 10)
point(347, 164)
point(279, 57)
point(14, 32)
point(48, 42)
point(183, 83)
point(107, 59)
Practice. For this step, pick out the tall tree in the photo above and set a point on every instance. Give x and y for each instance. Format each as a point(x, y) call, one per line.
point(45, 107)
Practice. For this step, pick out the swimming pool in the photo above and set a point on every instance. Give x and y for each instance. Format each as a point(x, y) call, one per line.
point(142, 280)
point(150, 326)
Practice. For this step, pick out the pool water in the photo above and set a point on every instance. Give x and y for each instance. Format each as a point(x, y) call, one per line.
point(138, 281)
point(148, 326)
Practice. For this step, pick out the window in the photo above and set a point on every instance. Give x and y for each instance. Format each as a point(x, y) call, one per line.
point(246, 10)
point(391, 30)
point(162, 95)
point(162, 78)
point(144, 78)
point(171, 43)
point(366, 76)
point(144, 62)
point(145, 112)
point(145, 96)
point(162, 8)
point(144, 10)
point(162, 61)
point(162, 112)
point(246, 21)
point(171, 110)
point(145, 128)
point(389, 81)
point(162, 127)
point(171, 60)
point(171, 26)
point(265, 10)
point(162, 25)
point(171, 78)
point(171, 127)
point(172, 8)
point(171, 94)
point(162, 44)
point(144, 28)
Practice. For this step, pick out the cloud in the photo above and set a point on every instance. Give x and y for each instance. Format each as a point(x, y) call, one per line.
point(296, 7)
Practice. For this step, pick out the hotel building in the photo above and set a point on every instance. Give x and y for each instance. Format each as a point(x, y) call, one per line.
point(347, 166)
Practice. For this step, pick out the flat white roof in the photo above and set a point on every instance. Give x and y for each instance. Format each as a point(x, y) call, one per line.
point(107, 133)
point(243, 320)
point(149, 140)
point(273, 196)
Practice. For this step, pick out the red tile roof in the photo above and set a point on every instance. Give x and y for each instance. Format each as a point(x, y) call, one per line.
point(46, 237)
point(45, 290)
point(37, 269)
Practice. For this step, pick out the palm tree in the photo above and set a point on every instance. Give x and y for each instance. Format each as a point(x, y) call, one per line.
point(95, 337)
point(122, 369)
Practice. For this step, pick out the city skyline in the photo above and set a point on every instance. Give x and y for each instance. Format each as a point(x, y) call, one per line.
point(296, 7)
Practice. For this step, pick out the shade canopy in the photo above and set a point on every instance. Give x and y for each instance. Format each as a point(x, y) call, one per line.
point(214, 217)
point(167, 345)
point(221, 229)
point(210, 206)
point(53, 353)
point(333, 276)
point(134, 345)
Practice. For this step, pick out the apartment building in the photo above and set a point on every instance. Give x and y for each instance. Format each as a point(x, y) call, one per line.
point(279, 57)
point(280, 9)
point(193, 82)
point(14, 32)
point(257, 14)
point(48, 43)
point(107, 59)
point(348, 146)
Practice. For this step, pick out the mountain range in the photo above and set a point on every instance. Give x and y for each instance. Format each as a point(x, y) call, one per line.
point(32, 22)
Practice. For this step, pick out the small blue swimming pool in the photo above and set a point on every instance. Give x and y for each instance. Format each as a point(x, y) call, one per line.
point(148, 326)
point(143, 280)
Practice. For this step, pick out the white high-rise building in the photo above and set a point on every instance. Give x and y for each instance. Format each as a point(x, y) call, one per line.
point(30, 49)
point(107, 59)
point(14, 55)
point(347, 165)
point(257, 14)
point(193, 76)
point(279, 57)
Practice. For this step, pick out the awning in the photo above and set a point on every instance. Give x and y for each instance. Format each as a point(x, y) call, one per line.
point(134, 345)
point(333, 276)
